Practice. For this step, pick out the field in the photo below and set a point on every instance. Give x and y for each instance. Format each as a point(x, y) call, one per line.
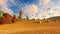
point(31, 27)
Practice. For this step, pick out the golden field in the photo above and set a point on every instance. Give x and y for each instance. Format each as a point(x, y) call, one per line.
point(31, 27)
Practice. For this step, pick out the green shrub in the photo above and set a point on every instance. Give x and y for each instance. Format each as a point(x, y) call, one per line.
point(1, 13)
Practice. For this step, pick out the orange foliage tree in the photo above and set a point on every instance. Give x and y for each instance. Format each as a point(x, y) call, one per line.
point(7, 18)
point(14, 19)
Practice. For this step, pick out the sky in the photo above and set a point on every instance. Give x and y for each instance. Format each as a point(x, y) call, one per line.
point(31, 8)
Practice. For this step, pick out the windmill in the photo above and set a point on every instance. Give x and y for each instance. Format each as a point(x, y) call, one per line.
point(20, 14)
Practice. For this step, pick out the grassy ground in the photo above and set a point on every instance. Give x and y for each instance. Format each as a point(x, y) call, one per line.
point(30, 27)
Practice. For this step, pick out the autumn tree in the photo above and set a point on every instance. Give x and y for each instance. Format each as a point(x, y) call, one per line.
point(7, 18)
point(14, 19)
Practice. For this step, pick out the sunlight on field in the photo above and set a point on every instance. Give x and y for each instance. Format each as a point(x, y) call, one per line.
point(30, 27)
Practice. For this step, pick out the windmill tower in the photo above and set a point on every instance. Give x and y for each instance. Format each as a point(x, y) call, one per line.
point(20, 14)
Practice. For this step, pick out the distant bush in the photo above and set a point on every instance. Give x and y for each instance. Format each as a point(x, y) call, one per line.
point(27, 17)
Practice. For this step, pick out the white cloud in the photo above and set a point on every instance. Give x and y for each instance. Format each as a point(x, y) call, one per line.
point(2, 2)
point(4, 8)
point(49, 9)
point(46, 1)
point(53, 12)
point(31, 10)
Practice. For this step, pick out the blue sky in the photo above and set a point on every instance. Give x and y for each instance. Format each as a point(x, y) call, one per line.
point(17, 6)
point(46, 8)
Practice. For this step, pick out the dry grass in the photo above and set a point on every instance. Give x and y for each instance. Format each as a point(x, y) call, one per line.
point(31, 27)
